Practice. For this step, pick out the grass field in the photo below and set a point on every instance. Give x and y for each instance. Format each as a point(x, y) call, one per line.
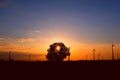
point(65, 69)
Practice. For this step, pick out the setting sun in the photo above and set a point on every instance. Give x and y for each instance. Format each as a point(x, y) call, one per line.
point(58, 48)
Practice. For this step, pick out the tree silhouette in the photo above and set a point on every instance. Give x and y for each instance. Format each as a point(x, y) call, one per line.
point(57, 52)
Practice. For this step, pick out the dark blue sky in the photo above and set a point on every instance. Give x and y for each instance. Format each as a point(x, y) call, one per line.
point(83, 20)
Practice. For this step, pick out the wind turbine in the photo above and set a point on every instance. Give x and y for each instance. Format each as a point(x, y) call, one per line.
point(93, 54)
point(10, 55)
point(113, 45)
point(113, 51)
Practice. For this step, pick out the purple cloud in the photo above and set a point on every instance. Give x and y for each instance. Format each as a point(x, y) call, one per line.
point(3, 3)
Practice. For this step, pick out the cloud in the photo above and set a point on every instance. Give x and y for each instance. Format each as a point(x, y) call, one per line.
point(34, 32)
point(14, 40)
point(5, 44)
point(1, 39)
point(3, 3)
point(37, 31)
point(26, 40)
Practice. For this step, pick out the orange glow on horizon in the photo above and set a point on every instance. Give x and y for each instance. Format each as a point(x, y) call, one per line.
point(78, 50)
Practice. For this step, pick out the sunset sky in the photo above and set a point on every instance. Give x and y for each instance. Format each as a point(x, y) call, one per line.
point(30, 26)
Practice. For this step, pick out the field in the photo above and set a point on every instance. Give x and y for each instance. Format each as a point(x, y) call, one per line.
point(65, 69)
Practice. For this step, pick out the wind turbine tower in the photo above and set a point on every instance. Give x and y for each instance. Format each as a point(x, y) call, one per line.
point(113, 51)
point(94, 54)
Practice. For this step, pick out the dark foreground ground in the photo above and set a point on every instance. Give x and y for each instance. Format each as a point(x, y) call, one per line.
point(22, 70)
